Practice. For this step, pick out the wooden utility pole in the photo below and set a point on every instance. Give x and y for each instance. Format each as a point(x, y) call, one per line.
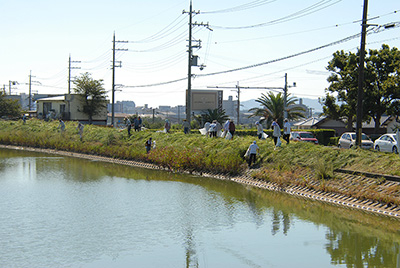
point(285, 88)
point(360, 92)
point(190, 56)
point(69, 72)
point(30, 90)
point(113, 77)
point(191, 62)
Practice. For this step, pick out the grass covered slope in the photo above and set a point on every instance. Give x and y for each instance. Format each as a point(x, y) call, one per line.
point(298, 163)
point(194, 151)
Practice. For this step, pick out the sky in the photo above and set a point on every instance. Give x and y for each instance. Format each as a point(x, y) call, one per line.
point(250, 43)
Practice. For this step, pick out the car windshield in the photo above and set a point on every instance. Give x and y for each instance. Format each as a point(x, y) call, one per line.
point(306, 135)
point(363, 137)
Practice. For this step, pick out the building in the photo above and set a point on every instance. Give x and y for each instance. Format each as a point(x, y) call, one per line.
point(321, 123)
point(230, 107)
point(68, 107)
point(391, 123)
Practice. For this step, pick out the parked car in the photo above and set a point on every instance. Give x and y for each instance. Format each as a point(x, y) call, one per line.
point(348, 140)
point(387, 143)
point(303, 136)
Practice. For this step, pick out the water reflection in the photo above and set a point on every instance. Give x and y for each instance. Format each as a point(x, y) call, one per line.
point(140, 215)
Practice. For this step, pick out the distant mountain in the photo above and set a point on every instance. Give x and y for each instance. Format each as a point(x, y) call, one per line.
point(311, 103)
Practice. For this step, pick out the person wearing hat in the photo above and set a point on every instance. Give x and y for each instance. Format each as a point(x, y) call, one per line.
point(252, 152)
point(259, 130)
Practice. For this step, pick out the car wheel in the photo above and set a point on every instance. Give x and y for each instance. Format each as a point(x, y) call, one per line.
point(394, 150)
point(377, 148)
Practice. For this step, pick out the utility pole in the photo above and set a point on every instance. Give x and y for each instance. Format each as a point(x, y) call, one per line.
point(191, 61)
point(238, 103)
point(30, 89)
point(113, 77)
point(285, 88)
point(69, 83)
point(360, 92)
point(69, 72)
point(238, 99)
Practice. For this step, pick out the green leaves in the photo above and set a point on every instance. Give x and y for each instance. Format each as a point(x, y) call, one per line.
point(93, 94)
point(8, 107)
point(273, 108)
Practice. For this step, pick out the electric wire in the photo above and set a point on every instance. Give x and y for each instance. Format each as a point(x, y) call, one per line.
point(296, 15)
point(242, 7)
point(170, 43)
point(164, 32)
point(374, 30)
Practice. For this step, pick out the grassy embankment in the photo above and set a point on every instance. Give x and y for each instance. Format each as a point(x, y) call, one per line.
point(288, 165)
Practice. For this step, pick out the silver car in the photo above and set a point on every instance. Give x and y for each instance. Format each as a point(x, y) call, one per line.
point(387, 143)
point(348, 140)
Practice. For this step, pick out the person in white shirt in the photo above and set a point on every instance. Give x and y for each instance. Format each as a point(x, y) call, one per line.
point(286, 131)
point(252, 151)
point(259, 130)
point(276, 132)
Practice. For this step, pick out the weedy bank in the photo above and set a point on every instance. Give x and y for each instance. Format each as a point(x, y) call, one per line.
point(288, 165)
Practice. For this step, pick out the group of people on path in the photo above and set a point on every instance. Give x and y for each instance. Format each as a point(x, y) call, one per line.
point(137, 124)
point(277, 132)
point(215, 129)
point(212, 129)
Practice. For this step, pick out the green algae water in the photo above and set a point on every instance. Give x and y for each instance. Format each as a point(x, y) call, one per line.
point(68, 212)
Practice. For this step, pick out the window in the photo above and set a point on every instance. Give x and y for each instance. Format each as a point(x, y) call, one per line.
point(46, 107)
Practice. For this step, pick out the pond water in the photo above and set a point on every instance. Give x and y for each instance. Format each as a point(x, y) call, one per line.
point(68, 212)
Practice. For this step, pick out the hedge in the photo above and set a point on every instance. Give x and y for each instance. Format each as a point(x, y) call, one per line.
point(323, 135)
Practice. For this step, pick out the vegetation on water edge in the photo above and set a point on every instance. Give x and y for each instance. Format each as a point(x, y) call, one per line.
point(286, 165)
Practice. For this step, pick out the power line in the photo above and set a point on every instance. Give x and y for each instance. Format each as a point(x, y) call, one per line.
point(246, 6)
point(283, 58)
point(298, 14)
point(164, 32)
point(375, 30)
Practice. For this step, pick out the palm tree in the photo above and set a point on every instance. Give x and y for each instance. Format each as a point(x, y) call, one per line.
point(273, 108)
point(211, 115)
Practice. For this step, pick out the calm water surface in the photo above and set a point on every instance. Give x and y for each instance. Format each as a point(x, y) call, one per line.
point(66, 212)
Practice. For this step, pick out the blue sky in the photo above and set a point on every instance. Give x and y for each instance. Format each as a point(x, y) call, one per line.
point(39, 36)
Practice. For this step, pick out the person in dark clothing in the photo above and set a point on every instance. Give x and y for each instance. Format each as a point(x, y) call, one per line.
point(232, 127)
point(148, 145)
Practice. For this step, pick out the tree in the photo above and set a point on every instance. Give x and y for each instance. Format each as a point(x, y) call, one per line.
point(8, 107)
point(383, 82)
point(211, 115)
point(273, 108)
point(381, 85)
point(343, 83)
point(93, 95)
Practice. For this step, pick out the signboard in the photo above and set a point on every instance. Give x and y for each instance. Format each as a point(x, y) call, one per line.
point(206, 99)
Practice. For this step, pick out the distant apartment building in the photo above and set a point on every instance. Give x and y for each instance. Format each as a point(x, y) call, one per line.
point(230, 106)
